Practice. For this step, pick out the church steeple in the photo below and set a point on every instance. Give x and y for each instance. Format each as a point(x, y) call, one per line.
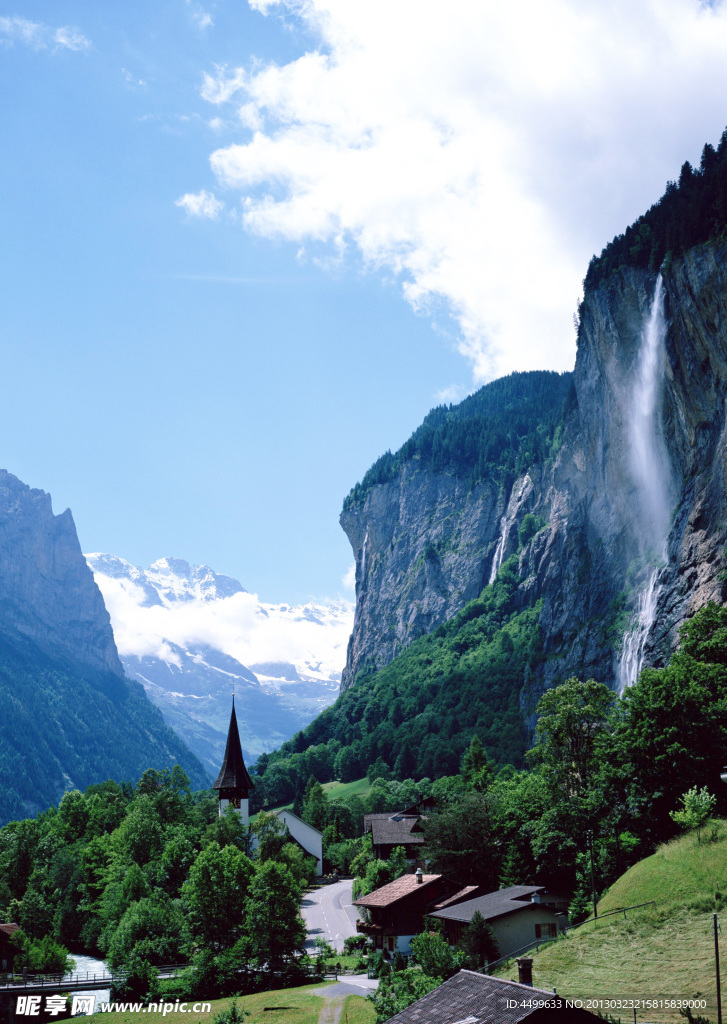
point(233, 782)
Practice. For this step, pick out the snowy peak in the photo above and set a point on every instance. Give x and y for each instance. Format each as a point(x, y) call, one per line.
point(189, 634)
point(168, 580)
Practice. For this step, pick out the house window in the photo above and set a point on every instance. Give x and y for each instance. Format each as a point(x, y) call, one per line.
point(546, 931)
point(391, 943)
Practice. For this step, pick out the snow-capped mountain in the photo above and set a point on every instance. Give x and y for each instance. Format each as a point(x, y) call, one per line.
point(190, 635)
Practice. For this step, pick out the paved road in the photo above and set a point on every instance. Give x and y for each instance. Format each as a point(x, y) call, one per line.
point(328, 914)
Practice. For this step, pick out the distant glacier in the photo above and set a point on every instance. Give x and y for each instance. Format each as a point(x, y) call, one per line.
point(189, 635)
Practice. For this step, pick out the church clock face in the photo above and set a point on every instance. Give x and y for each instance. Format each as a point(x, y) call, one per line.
point(235, 802)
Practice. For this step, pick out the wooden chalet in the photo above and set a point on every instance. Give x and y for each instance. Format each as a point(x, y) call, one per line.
point(397, 911)
point(519, 916)
point(400, 828)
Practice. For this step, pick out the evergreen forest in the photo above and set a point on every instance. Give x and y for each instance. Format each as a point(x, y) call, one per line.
point(497, 433)
point(57, 714)
point(692, 211)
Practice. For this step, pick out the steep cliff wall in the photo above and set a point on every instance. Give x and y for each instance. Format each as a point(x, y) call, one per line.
point(47, 591)
point(69, 716)
point(426, 542)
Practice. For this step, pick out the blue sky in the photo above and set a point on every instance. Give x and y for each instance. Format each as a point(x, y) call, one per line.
point(246, 249)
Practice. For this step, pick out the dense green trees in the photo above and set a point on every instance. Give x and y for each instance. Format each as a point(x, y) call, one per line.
point(416, 717)
point(151, 875)
point(72, 722)
point(691, 211)
point(501, 430)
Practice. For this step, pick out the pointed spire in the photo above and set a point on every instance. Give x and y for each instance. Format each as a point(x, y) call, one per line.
point(233, 779)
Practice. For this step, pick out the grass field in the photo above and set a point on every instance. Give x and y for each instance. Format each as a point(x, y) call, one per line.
point(665, 950)
point(358, 1011)
point(282, 1006)
point(342, 790)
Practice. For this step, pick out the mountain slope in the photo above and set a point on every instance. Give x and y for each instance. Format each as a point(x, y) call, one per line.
point(610, 497)
point(69, 716)
point(661, 951)
point(183, 631)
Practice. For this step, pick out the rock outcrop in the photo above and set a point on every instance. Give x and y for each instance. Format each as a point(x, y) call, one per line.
point(426, 543)
point(47, 591)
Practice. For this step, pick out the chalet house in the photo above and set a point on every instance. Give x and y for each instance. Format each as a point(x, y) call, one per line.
point(519, 916)
point(397, 910)
point(399, 828)
point(306, 836)
point(7, 951)
point(470, 998)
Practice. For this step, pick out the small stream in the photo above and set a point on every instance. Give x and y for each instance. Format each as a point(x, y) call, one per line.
point(88, 964)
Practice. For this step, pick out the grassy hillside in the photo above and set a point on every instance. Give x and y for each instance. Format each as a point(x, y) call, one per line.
point(344, 790)
point(665, 950)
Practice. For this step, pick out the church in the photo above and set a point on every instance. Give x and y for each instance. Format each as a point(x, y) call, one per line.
point(233, 785)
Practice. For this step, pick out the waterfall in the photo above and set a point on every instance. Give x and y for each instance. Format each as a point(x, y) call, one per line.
point(499, 550)
point(649, 461)
point(651, 473)
point(632, 647)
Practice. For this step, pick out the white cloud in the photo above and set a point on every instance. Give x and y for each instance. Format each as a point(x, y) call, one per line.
point(41, 37)
point(133, 81)
point(201, 204)
point(481, 152)
point(349, 578)
point(71, 38)
point(314, 637)
point(450, 395)
point(200, 18)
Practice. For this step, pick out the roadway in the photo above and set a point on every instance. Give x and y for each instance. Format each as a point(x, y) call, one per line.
point(329, 914)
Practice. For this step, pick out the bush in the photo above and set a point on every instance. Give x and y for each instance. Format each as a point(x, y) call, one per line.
point(234, 1014)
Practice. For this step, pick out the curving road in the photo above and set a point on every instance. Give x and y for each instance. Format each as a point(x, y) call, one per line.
point(329, 914)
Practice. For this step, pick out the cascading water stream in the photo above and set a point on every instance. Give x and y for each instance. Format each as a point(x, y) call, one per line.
point(499, 551)
point(632, 647)
point(649, 463)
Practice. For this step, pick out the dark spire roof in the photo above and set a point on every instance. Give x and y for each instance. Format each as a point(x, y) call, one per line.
point(233, 773)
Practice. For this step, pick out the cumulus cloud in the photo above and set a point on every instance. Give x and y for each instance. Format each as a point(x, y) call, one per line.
point(38, 36)
point(201, 204)
point(481, 153)
point(313, 637)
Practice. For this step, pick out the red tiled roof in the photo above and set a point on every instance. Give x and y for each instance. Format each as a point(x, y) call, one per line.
point(394, 891)
point(8, 929)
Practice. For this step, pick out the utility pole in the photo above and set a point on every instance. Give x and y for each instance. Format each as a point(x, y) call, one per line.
point(589, 835)
point(716, 967)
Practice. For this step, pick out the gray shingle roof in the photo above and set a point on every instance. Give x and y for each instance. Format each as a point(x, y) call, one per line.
point(233, 773)
point(492, 905)
point(392, 829)
point(479, 999)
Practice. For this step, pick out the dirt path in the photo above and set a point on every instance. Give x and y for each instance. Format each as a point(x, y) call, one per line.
point(331, 1012)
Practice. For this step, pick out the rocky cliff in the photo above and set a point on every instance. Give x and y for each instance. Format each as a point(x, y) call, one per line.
point(47, 591)
point(629, 514)
point(69, 716)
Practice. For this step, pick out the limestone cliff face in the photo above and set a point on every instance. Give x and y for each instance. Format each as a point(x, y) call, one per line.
point(47, 591)
point(425, 543)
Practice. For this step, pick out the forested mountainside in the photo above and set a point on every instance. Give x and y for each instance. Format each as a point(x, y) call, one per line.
point(423, 522)
point(595, 546)
point(692, 210)
point(69, 717)
point(494, 434)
